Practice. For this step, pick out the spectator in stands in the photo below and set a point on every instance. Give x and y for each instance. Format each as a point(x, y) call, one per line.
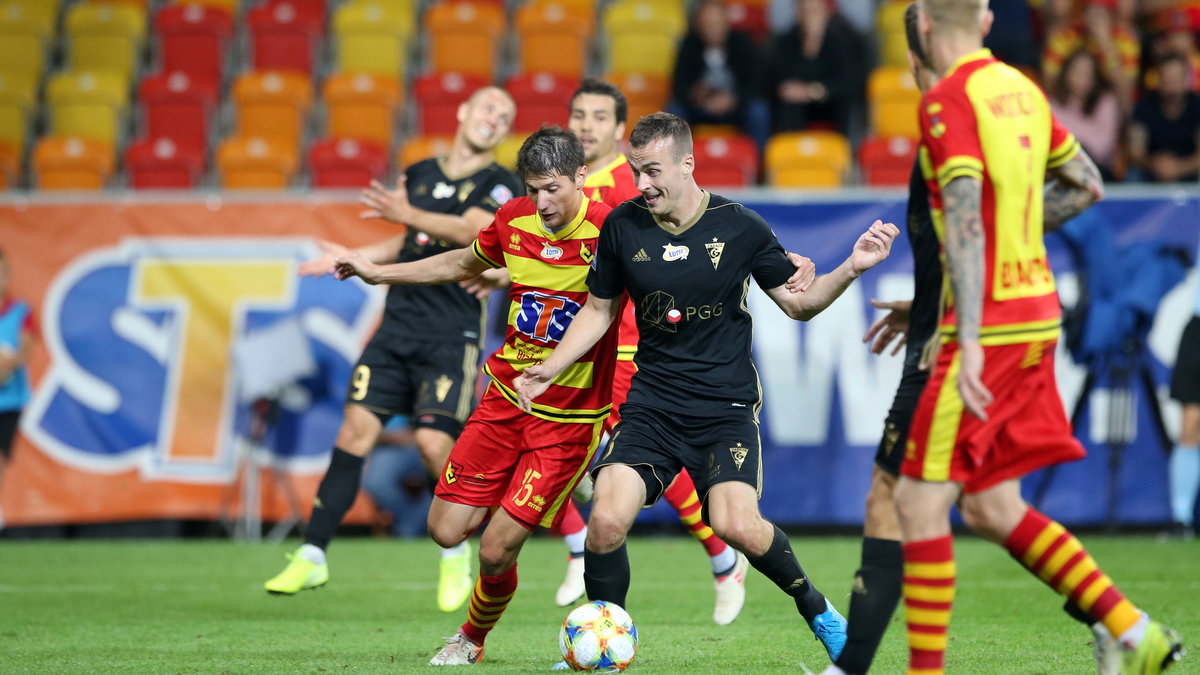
point(1010, 38)
point(1097, 26)
point(397, 480)
point(811, 79)
point(716, 75)
point(17, 337)
point(1164, 135)
point(1083, 100)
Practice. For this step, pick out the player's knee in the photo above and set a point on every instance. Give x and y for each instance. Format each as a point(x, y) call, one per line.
point(445, 534)
point(359, 431)
point(605, 532)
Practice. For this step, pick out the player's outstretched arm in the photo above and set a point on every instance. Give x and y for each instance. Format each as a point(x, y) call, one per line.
point(1070, 190)
point(965, 243)
point(871, 248)
point(586, 329)
point(393, 205)
point(379, 252)
point(444, 268)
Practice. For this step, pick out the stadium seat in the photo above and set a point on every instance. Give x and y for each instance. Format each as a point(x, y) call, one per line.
point(645, 93)
point(438, 96)
point(362, 106)
point(346, 163)
point(230, 6)
point(254, 162)
point(726, 160)
point(749, 16)
point(506, 150)
point(463, 37)
point(543, 98)
point(24, 37)
point(373, 36)
point(553, 37)
point(272, 105)
point(284, 36)
point(71, 163)
point(88, 104)
point(807, 159)
point(18, 102)
point(193, 39)
point(105, 36)
point(42, 12)
point(893, 97)
point(163, 163)
point(642, 35)
point(887, 160)
point(178, 106)
point(422, 147)
point(10, 166)
point(889, 25)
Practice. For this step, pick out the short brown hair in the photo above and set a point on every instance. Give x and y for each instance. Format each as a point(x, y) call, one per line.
point(548, 151)
point(662, 125)
point(963, 14)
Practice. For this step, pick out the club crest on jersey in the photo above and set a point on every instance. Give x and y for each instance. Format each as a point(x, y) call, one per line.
point(673, 252)
point(442, 190)
point(585, 253)
point(551, 252)
point(715, 249)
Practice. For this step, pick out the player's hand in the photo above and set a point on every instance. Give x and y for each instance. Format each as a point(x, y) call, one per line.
point(530, 384)
point(873, 246)
point(387, 204)
point(482, 285)
point(890, 326)
point(354, 264)
point(806, 271)
point(976, 397)
point(319, 267)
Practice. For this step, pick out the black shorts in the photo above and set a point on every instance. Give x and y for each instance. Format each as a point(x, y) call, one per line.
point(433, 383)
point(890, 454)
point(8, 431)
point(713, 449)
point(1185, 378)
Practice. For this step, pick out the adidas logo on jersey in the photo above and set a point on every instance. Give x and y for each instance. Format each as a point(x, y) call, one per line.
point(641, 256)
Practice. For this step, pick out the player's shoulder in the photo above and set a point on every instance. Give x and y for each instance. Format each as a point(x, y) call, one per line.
point(424, 169)
point(597, 211)
point(724, 208)
point(517, 207)
point(631, 209)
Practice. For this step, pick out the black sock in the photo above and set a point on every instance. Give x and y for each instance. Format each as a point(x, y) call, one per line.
point(335, 496)
point(1078, 614)
point(606, 575)
point(779, 565)
point(873, 601)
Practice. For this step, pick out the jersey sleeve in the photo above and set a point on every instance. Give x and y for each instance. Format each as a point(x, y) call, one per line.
point(606, 279)
point(769, 265)
point(950, 134)
point(487, 246)
point(495, 193)
point(1063, 145)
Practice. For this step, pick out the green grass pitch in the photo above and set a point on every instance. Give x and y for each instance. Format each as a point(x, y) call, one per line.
point(199, 607)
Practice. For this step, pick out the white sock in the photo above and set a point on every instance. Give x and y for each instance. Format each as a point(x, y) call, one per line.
point(313, 554)
point(457, 549)
point(575, 541)
point(723, 562)
point(1133, 635)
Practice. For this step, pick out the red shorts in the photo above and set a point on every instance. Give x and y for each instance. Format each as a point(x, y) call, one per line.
point(526, 465)
point(1026, 429)
point(622, 378)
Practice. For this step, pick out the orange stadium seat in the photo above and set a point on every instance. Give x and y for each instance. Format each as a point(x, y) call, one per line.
point(553, 37)
point(642, 35)
point(89, 104)
point(464, 37)
point(24, 38)
point(193, 39)
point(346, 163)
point(807, 159)
point(645, 93)
point(362, 106)
point(254, 162)
point(542, 98)
point(163, 163)
point(887, 160)
point(272, 105)
point(438, 96)
point(893, 97)
point(726, 160)
point(18, 103)
point(422, 147)
point(178, 106)
point(105, 36)
point(10, 166)
point(72, 163)
point(374, 35)
point(284, 36)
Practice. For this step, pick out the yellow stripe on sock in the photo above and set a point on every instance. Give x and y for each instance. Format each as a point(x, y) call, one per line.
point(1076, 575)
point(930, 571)
point(1093, 592)
point(489, 599)
point(929, 593)
point(924, 671)
point(927, 641)
point(1045, 538)
point(1055, 564)
point(927, 617)
point(1121, 617)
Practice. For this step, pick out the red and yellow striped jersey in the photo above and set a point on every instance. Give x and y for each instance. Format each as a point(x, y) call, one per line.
point(549, 286)
point(612, 185)
point(986, 120)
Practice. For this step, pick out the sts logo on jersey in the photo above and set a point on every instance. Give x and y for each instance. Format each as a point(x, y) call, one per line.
point(545, 318)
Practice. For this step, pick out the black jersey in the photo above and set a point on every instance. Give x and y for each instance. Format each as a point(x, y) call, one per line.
point(689, 290)
point(445, 311)
point(927, 267)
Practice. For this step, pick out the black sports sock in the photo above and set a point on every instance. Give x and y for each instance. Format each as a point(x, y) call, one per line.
point(1078, 614)
point(606, 575)
point(779, 565)
point(873, 601)
point(335, 496)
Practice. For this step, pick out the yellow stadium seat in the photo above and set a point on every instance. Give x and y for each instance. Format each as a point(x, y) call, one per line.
point(422, 147)
point(373, 36)
point(273, 105)
point(106, 36)
point(667, 16)
point(553, 38)
point(24, 36)
point(89, 104)
point(889, 24)
point(72, 163)
point(18, 100)
point(42, 12)
point(463, 37)
point(807, 159)
point(361, 106)
point(507, 149)
point(893, 97)
point(643, 35)
point(256, 163)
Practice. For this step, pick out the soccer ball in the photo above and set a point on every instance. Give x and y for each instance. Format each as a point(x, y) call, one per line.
point(598, 636)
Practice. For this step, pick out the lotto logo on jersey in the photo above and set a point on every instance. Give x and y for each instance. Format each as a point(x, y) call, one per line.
point(545, 317)
point(148, 342)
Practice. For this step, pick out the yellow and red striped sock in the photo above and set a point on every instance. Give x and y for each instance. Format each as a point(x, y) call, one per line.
point(1048, 550)
point(681, 494)
point(491, 597)
point(928, 596)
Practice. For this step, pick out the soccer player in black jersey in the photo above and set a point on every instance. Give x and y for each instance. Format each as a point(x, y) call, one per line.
point(686, 257)
point(422, 362)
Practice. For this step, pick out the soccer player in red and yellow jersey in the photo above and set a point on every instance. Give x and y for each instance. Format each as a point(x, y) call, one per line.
point(520, 468)
point(990, 412)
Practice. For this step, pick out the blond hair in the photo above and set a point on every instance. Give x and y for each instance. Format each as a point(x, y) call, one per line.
point(955, 14)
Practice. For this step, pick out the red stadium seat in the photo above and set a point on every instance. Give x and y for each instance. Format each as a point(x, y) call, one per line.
point(438, 97)
point(346, 163)
point(193, 39)
point(749, 16)
point(727, 161)
point(284, 36)
point(178, 106)
point(887, 160)
point(163, 163)
point(542, 98)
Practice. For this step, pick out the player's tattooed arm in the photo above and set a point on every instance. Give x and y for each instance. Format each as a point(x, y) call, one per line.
point(962, 204)
point(1070, 190)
